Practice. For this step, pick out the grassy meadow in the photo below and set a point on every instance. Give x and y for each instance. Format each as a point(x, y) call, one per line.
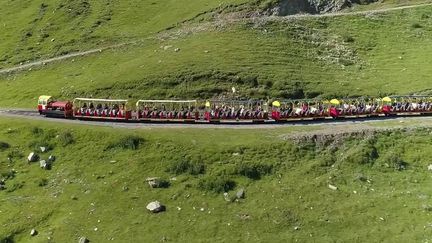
point(97, 186)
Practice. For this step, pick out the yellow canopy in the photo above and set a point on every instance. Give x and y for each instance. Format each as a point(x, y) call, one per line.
point(387, 99)
point(335, 102)
point(44, 97)
point(276, 103)
point(207, 104)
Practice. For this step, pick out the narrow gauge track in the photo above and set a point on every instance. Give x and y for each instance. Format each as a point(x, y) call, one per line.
point(352, 121)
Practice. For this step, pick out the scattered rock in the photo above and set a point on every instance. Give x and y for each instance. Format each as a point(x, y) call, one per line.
point(51, 158)
point(166, 47)
point(43, 149)
point(73, 197)
point(177, 49)
point(430, 167)
point(33, 232)
point(33, 157)
point(240, 194)
point(332, 187)
point(155, 207)
point(227, 197)
point(156, 182)
point(83, 240)
point(45, 165)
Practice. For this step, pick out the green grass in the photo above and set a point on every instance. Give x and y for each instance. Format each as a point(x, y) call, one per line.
point(91, 186)
point(344, 56)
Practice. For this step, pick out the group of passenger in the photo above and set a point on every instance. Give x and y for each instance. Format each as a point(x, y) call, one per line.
point(256, 111)
point(102, 110)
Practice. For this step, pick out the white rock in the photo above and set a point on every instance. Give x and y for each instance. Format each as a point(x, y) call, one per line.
point(32, 157)
point(332, 187)
point(33, 232)
point(83, 240)
point(155, 207)
point(430, 167)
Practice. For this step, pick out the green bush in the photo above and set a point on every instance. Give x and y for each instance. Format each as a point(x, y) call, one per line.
point(416, 25)
point(4, 146)
point(8, 175)
point(184, 166)
point(42, 182)
point(127, 142)
point(65, 138)
point(36, 131)
point(394, 160)
point(253, 170)
point(362, 154)
point(216, 184)
point(7, 239)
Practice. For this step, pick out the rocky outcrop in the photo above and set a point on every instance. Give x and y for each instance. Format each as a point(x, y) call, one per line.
point(290, 7)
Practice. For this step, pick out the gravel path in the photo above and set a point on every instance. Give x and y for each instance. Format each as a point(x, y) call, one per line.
point(308, 127)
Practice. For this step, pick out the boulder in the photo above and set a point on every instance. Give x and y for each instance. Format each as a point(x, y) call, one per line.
point(43, 149)
point(153, 182)
point(83, 239)
point(33, 232)
point(240, 194)
point(45, 164)
point(155, 207)
point(33, 157)
point(429, 167)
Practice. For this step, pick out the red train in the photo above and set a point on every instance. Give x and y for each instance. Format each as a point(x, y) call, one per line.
point(232, 111)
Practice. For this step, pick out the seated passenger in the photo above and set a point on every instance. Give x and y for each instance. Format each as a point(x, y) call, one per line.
point(83, 109)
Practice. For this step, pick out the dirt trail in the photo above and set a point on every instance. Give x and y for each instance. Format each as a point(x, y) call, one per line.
point(59, 58)
point(300, 16)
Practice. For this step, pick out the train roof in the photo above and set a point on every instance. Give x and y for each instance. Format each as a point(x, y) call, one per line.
point(98, 100)
point(167, 101)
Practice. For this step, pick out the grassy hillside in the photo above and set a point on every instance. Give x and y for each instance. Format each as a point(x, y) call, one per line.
point(376, 54)
point(97, 187)
point(42, 28)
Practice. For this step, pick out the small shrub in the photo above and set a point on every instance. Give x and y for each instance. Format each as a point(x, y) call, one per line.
point(184, 166)
point(35, 145)
point(127, 142)
point(416, 26)
point(65, 138)
point(253, 170)
point(216, 184)
point(15, 154)
point(362, 154)
point(36, 131)
point(8, 175)
point(42, 182)
point(7, 239)
point(348, 38)
point(4, 146)
point(395, 161)
point(15, 186)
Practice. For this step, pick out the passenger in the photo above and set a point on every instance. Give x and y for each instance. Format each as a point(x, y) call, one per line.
point(83, 109)
point(91, 110)
point(106, 110)
point(99, 110)
point(114, 110)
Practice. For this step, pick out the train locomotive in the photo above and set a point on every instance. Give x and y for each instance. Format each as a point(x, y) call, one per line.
point(232, 111)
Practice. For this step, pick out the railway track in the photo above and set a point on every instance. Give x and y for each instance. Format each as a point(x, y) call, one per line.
point(401, 121)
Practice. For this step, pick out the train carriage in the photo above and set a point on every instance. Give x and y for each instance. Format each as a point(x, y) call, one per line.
point(101, 109)
point(167, 111)
point(234, 111)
